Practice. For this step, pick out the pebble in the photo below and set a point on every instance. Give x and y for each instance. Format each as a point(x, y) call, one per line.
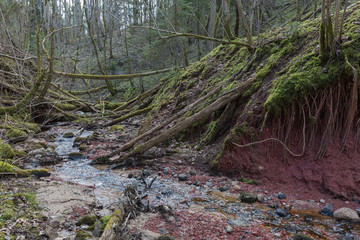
point(229, 229)
point(236, 187)
point(192, 173)
point(223, 188)
point(166, 171)
point(238, 222)
point(197, 183)
point(281, 195)
point(130, 175)
point(248, 197)
point(322, 201)
point(209, 184)
point(179, 162)
point(183, 177)
point(51, 233)
point(260, 198)
point(328, 210)
point(281, 212)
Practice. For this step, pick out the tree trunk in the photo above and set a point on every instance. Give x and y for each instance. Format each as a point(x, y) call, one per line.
point(226, 19)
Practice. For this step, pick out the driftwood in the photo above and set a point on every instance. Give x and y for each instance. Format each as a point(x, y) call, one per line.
point(110, 229)
point(187, 122)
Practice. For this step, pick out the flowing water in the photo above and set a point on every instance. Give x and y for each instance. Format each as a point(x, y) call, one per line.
point(180, 196)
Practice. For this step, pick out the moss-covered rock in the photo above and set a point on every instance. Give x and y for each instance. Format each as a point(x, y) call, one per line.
point(6, 151)
point(81, 235)
point(69, 135)
point(84, 147)
point(89, 220)
point(8, 168)
point(16, 135)
point(116, 128)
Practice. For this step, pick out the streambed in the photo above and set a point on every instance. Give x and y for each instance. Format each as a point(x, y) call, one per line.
point(196, 208)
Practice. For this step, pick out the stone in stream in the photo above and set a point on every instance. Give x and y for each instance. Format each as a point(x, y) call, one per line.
point(328, 210)
point(69, 135)
point(346, 214)
point(183, 177)
point(248, 197)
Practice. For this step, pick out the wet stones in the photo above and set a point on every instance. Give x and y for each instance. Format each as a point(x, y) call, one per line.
point(346, 214)
point(183, 177)
point(229, 229)
point(328, 210)
point(69, 135)
point(224, 188)
point(247, 197)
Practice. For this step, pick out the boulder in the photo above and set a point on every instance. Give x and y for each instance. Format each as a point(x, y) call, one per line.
point(327, 210)
point(346, 214)
point(248, 197)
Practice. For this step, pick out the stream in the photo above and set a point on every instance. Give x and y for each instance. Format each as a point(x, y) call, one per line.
point(196, 209)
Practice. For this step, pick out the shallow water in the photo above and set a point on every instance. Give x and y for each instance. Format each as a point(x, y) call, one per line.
point(180, 196)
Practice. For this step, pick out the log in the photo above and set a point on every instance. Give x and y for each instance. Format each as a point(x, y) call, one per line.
point(187, 122)
point(115, 219)
point(112, 77)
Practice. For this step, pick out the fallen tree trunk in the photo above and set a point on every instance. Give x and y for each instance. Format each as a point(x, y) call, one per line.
point(159, 127)
point(187, 122)
point(127, 116)
point(112, 77)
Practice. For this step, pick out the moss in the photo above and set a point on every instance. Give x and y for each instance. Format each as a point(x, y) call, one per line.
point(30, 127)
point(16, 135)
point(115, 128)
point(83, 147)
point(115, 217)
point(250, 181)
point(6, 151)
point(66, 106)
point(69, 135)
point(8, 168)
point(81, 235)
point(7, 214)
point(89, 220)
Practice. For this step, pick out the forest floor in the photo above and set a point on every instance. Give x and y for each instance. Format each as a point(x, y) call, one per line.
point(186, 200)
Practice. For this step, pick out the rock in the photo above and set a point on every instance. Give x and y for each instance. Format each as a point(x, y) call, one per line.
point(248, 197)
point(179, 162)
point(6, 151)
point(223, 188)
point(165, 237)
point(69, 135)
point(75, 155)
point(56, 221)
point(236, 187)
point(81, 235)
point(89, 220)
point(301, 236)
point(208, 183)
point(322, 201)
point(328, 210)
point(146, 173)
point(130, 175)
point(346, 214)
point(358, 211)
point(281, 213)
point(229, 229)
point(197, 183)
point(83, 147)
point(44, 215)
point(192, 173)
point(238, 222)
point(183, 177)
point(260, 198)
point(281, 195)
point(97, 229)
point(51, 233)
point(166, 171)
point(16, 135)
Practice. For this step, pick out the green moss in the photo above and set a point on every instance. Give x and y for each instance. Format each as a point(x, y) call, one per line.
point(69, 135)
point(250, 181)
point(115, 128)
point(6, 151)
point(8, 168)
point(7, 214)
point(83, 147)
point(16, 135)
point(89, 220)
point(81, 235)
point(30, 127)
point(66, 106)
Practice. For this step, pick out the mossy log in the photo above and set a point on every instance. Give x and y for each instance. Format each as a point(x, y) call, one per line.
point(127, 116)
point(112, 77)
point(88, 91)
point(115, 219)
point(189, 121)
point(141, 97)
point(143, 136)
